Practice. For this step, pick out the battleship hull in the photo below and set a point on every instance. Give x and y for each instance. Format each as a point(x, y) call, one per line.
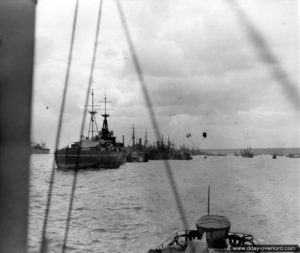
point(88, 159)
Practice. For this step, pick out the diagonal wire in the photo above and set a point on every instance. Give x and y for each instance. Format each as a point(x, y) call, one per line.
point(139, 72)
point(64, 247)
point(267, 56)
point(62, 108)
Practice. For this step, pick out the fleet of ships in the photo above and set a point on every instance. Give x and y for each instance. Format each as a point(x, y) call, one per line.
point(99, 149)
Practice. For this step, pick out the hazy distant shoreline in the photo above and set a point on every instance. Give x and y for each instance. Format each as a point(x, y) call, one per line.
point(258, 151)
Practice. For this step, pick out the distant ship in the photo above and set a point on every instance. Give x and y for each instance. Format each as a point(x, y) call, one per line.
point(295, 155)
point(37, 148)
point(159, 151)
point(96, 151)
point(181, 155)
point(247, 153)
point(274, 156)
point(137, 152)
point(166, 151)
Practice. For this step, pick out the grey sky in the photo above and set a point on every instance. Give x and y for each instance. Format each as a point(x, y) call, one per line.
point(202, 70)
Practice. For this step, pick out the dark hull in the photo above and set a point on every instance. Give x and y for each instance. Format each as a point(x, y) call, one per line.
point(87, 159)
point(136, 155)
point(247, 156)
point(137, 159)
point(158, 155)
point(167, 155)
point(40, 151)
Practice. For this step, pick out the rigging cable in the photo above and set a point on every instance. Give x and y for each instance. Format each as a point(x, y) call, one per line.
point(267, 56)
point(139, 72)
point(62, 108)
point(81, 132)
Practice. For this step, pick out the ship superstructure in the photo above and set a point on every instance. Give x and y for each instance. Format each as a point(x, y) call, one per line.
point(39, 148)
point(97, 150)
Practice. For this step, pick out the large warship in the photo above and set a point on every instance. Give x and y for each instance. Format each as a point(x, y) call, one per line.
point(98, 150)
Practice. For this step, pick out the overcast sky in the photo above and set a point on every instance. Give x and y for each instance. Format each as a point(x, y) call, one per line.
point(205, 68)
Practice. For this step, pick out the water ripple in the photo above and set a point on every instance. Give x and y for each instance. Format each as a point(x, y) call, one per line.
point(132, 209)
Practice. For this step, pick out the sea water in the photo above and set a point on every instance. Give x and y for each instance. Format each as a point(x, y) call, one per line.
point(132, 208)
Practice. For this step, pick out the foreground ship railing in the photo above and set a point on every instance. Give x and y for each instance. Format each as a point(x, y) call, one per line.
point(180, 239)
point(213, 232)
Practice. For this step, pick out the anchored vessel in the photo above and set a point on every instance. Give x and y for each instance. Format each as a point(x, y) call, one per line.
point(37, 148)
point(137, 152)
point(166, 151)
point(296, 155)
point(98, 150)
point(247, 153)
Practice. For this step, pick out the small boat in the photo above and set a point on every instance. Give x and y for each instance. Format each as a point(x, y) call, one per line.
point(37, 148)
point(96, 151)
point(274, 156)
point(212, 233)
point(295, 155)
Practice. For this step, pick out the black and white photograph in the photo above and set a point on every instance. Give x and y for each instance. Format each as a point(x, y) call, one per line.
point(149, 126)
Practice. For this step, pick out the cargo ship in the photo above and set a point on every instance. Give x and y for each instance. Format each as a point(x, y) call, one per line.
point(39, 148)
point(160, 150)
point(97, 150)
point(137, 151)
point(166, 151)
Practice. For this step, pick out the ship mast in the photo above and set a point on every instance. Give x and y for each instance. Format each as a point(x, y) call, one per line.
point(93, 119)
point(133, 137)
point(146, 140)
point(105, 130)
